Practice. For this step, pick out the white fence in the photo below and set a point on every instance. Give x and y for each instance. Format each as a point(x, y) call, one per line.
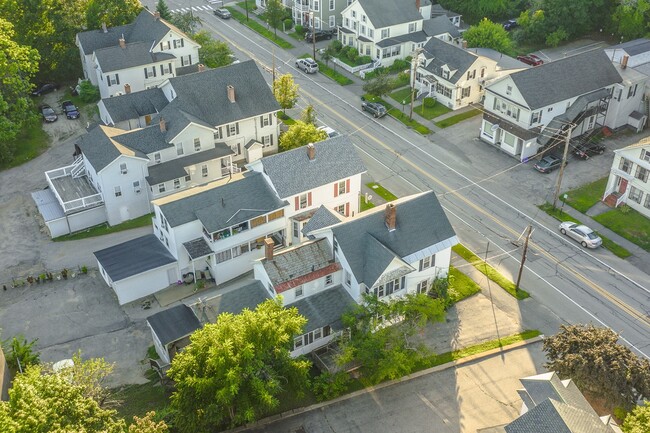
point(351, 69)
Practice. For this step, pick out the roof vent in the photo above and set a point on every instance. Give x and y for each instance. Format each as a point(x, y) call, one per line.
point(104, 28)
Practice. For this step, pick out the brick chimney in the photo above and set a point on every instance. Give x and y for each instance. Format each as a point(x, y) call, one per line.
point(156, 15)
point(268, 248)
point(163, 125)
point(390, 217)
point(311, 151)
point(231, 93)
point(104, 28)
point(127, 88)
point(624, 61)
point(122, 42)
point(464, 44)
point(201, 67)
point(417, 5)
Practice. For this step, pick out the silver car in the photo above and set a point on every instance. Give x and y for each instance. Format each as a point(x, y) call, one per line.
point(308, 65)
point(581, 233)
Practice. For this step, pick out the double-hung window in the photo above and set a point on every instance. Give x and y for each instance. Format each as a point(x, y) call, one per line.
point(197, 144)
point(427, 262)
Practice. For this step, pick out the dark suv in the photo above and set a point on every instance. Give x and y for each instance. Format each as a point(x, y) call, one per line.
point(584, 151)
point(548, 164)
point(320, 35)
point(374, 108)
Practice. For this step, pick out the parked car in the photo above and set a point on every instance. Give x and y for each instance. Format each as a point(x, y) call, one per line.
point(320, 35)
point(531, 59)
point(48, 113)
point(222, 13)
point(329, 131)
point(71, 112)
point(581, 233)
point(45, 88)
point(374, 108)
point(548, 164)
point(308, 65)
point(584, 151)
point(510, 24)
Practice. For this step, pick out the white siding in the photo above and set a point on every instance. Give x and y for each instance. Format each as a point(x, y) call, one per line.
point(130, 204)
point(142, 285)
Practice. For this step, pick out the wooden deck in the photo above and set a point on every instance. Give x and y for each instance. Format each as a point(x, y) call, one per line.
point(70, 188)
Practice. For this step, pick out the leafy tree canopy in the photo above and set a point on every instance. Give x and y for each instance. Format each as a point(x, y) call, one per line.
point(275, 12)
point(301, 134)
point(308, 115)
point(163, 10)
point(187, 22)
point(380, 85)
point(381, 334)
point(18, 64)
point(213, 53)
point(638, 421)
point(489, 35)
point(111, 12)
point(233, 370)
point(285, 91)
point(595, 361)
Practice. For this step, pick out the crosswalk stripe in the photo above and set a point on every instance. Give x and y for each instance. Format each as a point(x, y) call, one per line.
point(185, 10)
point(209, 7)
point(195, 9)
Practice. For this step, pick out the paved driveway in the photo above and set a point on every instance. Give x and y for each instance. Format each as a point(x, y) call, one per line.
point(457, 400)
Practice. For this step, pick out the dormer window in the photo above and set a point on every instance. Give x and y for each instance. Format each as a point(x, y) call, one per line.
point(123, 169)
point(413, 27)
point(156, 157)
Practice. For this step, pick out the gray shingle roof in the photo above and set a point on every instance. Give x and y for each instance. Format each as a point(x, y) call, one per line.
point(440, 25)
point(417, 37)
point(174, 323)
point(293, 172)
point(377, 259)
point(299, 261)
point(204, 96)
point(136, 104)
point(551, 416)
point(323, 217)
point(147, 28)
point(224, 205)
point(92, 40)
point(437, 10)
point(384, 13)
point(175, 169)
point(633, 47)
point(503, 61)
point(246, 297)
point(146, 140)
point(421, 223)
point(197, 248)
point(134, 257)
point(565, 78)
point(133, 54)
point(443, 53)
point(98, 148)
point(324, 308)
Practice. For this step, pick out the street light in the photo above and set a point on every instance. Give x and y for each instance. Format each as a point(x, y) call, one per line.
point(313, 33)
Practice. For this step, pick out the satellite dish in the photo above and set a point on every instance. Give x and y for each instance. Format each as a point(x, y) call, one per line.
point(494, 127)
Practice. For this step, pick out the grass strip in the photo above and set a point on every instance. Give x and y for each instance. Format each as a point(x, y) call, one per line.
point(381, 191)
point(363, 205)
point(460, 286)
point(286, 119)
point(105, 229)
point(258, 28)
point(30, 142)
point(490, 272)
point(140, 399)
point(430, 113)
point(609, 244)
point(333, 74)
point(584, 197)
point(449, 121)
point(398, 115)
point(627, 223)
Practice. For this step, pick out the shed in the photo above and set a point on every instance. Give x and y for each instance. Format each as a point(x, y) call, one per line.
point(171, 330)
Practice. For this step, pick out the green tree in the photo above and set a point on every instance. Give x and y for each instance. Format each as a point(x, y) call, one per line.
point(532, 25)
point(380, 85)
point(233, 370)
point(489, 35)
point(308, 115)
point(388, 352)
point(577, 17)
point(275, 13)
point(18, 65)
point(111, 12)
point(327, 54)
point(187, 22)
point(638, 421)
point(300, 134)
point(20, 353)
point(598, 365)
point(163, 10)
point(213, 53)
point(632, 20)
point(285, 91)
point(43, 401)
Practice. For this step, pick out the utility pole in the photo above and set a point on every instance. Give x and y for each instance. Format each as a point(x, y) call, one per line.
point(523, 257)
point(567, 139)
point(313, 33)
point(246, 6)
point(414, 66)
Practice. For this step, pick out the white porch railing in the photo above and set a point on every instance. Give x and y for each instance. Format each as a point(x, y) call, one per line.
point(621, 199)
point(83, 202)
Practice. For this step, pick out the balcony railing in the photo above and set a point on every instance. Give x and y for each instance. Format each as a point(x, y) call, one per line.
point(91, 200)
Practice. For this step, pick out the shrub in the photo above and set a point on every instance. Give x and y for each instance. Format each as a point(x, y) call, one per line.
point(439, 289)
point(625, 209)
point(328, 386)
point(429, 102)
point(399, 65)
point(336, 45)
point(20, 351)
point(88, 92)
point(362, 60)
point(301, 30)
point(288, 23)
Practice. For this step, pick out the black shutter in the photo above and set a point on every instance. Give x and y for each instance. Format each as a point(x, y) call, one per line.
point(221, 133)
point(261, 121)
point(237, 128)
point(117, 78)
point(162, 71)
point(146, 74)
point(228, 130)
point(270, 119)
point(189, 58)
point(182, 43)
point(271, 136)
point(420, 265)
point(108, 80)
point(154, 71)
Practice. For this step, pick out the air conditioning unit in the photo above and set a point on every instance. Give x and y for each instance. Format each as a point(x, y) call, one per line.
point(137, 190)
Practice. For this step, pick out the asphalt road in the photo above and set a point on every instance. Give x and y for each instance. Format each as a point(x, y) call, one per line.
point(489, 197)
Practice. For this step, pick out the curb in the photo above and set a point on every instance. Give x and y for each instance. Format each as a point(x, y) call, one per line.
point(437, 368)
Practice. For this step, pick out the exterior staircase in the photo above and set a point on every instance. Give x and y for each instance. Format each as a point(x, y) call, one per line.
point(78, 168)
point(611, 199)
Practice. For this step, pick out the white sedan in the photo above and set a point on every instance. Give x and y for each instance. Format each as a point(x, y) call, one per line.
point(581, 233)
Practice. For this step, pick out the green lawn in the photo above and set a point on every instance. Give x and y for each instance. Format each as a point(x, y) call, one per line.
point(286, 119)
point(490, 272)
point(30, 142)
point(363, 205)
point(258, 28)
point(140, 399)
point(630, 224)
point(460, 286)
point(411, 123)
point(105, 229)
point(584, 197)
point(607, 243)
point(381, 191)
point(431, 112)
point(457, 118)
point(402, 95)
point(333, 74)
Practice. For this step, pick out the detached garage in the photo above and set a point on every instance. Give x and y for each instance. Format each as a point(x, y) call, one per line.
point(137, 268)
point(171, 330)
